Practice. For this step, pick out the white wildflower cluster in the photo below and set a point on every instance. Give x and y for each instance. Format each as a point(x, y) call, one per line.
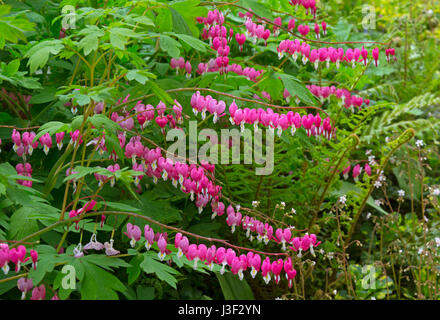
point(401, 193)
point(378, 202)
point(255, 204)
point(435, 191)
point(342, 199)
point(372, 161)
point(367, 152)
point(282, 205)
point(419, 143)
point(380, 180)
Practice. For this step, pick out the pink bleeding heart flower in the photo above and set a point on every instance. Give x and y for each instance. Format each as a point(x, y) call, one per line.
point(39, 293)
point(290, 272)
point(291, 24)
point(241, 39)
point(149, 236)
point(24, 285)
point(276, 268)
point(356, 172)
point(367, 169)
point(183, 246)
point(266, 270)
point(34, 257)
point(346, 171)
point(134, 233)
point(46, 142)
point(162, 244)
point(59, 136)
point(303, 30)
point(375, 54)
point(255, 263)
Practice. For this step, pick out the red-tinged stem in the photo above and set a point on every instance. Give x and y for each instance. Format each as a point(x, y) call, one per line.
point(135, 215)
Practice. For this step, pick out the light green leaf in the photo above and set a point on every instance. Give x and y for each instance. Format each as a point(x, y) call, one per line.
point(233, 288)
point(170, 46)
point(296, 88)
point(163, 272)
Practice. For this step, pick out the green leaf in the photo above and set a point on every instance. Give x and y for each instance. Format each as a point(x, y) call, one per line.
point(189, 10)
point(170, 46)
point(122, 207)
point(89, 43)
point(164, 20)
point(296, 88)
point(134, 270)
point(179, 23)
point(21, 225)
point(118, 41)
point(39, 54)
point(47, 95)
point(12, 27)
point(81, 171)
point(163, 272)
point(105, 261)
point(99, 284)
point(257, 7)
point(160, 93)
point(12, 67)
point(101, 121)
point(140, 76)
point(51, 128)
point(233, 288)
point(144, 20)
point(145, 293)
point(192, 42)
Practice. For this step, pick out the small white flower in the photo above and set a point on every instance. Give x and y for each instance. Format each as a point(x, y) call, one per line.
point(293, 211)
point(335, 292)
point(371, 160)
point(419, 143)
point(373, 298)
point(420, 251)
point(401, 193)
point(368, 215)
point(343, 199)
point(377, 184)
point(387, 139)
point(436, 192)
point(378, 202)
point(426, 219)
point(437, 241)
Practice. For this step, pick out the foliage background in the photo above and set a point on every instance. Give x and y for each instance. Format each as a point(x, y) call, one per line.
point(404, 94)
